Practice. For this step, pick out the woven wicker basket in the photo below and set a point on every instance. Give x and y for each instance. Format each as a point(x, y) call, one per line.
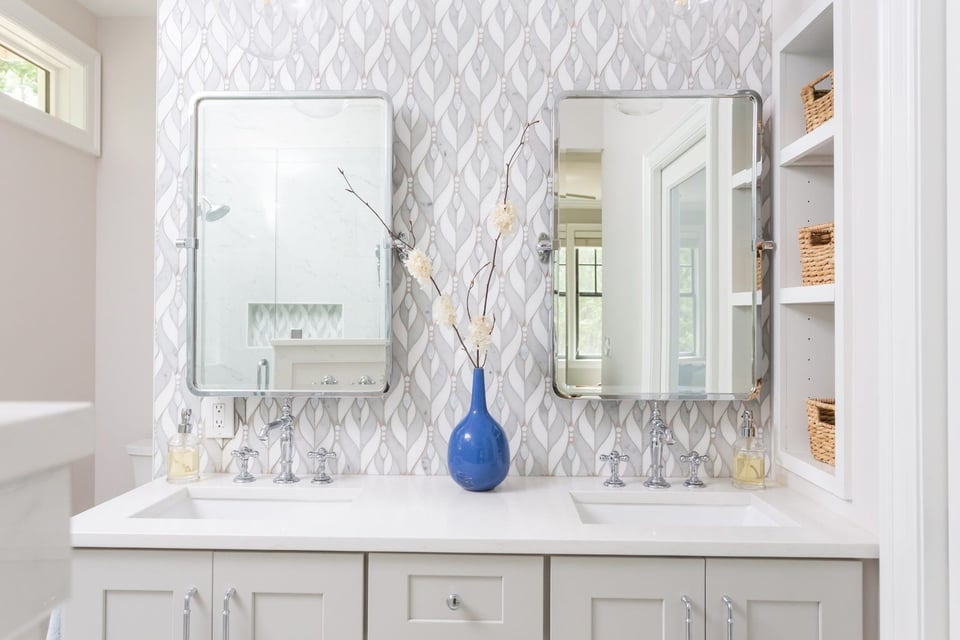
point(817, 103)
point(821, 425)
point(816, 254)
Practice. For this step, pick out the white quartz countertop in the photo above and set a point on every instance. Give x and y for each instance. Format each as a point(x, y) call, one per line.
point(525, 515)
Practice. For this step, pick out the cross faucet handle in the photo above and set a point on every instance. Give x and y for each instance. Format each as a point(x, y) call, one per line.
point(694, 459)
point(614, 458)
point(321, 455)
point(243, 455)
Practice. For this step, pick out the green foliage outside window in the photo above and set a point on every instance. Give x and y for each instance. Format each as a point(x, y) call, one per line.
point(21, 79)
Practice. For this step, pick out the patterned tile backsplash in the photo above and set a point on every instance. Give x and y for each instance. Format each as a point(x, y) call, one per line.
point(266, 321)
point(463, 77)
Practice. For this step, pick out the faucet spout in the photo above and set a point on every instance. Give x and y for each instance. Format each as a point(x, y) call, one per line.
point(285, 423)
point(660, 434)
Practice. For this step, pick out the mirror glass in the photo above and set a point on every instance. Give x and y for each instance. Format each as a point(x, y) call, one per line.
point(292, 273)
point(656, 286)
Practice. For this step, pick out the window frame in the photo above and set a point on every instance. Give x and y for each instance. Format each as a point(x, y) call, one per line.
point(74, 78)
point(568, 233)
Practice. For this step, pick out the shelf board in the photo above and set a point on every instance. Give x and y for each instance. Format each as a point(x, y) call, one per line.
point(746, 298)
point(742, 179)
point(812, 32)
point(814, 294)
point(803, 464)
point(814, 149)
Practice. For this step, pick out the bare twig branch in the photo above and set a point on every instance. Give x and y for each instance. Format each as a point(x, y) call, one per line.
point(473, 281)
point(395, 236)
point(506, 193)
point(516, 152)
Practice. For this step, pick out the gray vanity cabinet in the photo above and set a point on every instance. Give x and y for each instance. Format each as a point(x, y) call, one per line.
point(784, 599)
point(120, 593)
point(288, 596)
point(199, 595)
point(610, 598)
point(729, 599)
point(466, 597)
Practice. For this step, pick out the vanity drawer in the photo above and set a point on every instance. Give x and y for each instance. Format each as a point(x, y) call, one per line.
point(468, 597)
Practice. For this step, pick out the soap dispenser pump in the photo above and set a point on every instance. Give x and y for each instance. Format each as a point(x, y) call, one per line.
point(749, 456)
point(183, 452)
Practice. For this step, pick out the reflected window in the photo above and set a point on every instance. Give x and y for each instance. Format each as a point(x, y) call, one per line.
point(589, 301)
point(578, 286)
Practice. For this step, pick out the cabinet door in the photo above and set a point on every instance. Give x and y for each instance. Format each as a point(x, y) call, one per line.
point(614, 598)
point(288, 596)
point(121, 594)
point(784, 599)
point(467, 597)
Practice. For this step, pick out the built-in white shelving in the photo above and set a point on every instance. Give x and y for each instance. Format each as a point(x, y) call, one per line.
point(746, 298)
point(816, 294)
point(813, 149)
point(742, 179)
point(808, 336)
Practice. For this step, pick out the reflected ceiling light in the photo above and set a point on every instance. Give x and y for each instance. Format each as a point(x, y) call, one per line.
point(639, 106)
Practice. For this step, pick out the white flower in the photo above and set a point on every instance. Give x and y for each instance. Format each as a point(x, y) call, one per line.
point(504, 218)
point(443, 312)
point(419, 266)
point(479, 333)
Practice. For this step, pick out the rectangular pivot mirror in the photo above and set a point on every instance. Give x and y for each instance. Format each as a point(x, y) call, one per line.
point(291, 274)
point(656, 277)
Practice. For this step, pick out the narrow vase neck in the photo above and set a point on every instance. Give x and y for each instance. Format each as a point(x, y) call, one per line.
point(479, 399)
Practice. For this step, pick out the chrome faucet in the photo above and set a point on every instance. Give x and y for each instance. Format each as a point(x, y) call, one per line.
point(660, 434)
point(285, 423)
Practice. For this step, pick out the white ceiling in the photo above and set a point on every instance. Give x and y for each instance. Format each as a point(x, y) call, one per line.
point(111, 8)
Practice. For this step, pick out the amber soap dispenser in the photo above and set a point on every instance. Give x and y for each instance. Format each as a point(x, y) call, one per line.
point(183, 452)
point(749, 456)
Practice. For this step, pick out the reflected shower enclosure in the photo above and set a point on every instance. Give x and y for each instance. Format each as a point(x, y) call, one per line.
point(292, 273)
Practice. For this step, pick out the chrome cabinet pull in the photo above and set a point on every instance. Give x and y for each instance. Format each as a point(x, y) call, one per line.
point(192, 591)
point(688, 616)
point(229, 593)
point(454, 601)
point(729, 603)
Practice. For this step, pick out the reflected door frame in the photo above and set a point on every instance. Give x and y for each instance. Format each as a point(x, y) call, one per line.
point(699, 127)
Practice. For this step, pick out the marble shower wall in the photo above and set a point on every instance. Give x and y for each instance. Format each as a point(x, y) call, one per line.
point(464, 76)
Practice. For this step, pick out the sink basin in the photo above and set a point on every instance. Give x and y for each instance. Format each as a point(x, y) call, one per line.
point(251, 503)
point(677, 509)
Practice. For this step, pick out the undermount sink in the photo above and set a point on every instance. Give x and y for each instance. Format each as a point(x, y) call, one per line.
point(251, 503)
point(677, 509)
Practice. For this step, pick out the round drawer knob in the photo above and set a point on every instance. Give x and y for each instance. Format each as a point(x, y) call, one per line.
point(454, 601)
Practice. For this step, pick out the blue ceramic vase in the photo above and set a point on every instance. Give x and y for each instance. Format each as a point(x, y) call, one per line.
point(478, 456)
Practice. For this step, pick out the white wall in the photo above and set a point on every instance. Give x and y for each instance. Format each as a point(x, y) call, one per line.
point(124, 241)
point(47, 261)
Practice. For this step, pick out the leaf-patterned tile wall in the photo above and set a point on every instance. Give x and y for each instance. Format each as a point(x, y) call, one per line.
point(463, 78)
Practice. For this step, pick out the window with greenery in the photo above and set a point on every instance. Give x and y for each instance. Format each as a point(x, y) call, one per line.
point(589, 301)
point(24, 80)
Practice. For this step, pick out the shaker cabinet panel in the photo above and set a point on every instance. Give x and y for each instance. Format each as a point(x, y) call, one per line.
point(784, 599)
point(594, 598)
point(288, 596)
point(120, 594)
point(437, 597)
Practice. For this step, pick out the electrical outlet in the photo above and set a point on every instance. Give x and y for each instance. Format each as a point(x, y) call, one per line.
point(219, 419)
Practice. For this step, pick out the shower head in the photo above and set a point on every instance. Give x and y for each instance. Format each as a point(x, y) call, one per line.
point(212, 212)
